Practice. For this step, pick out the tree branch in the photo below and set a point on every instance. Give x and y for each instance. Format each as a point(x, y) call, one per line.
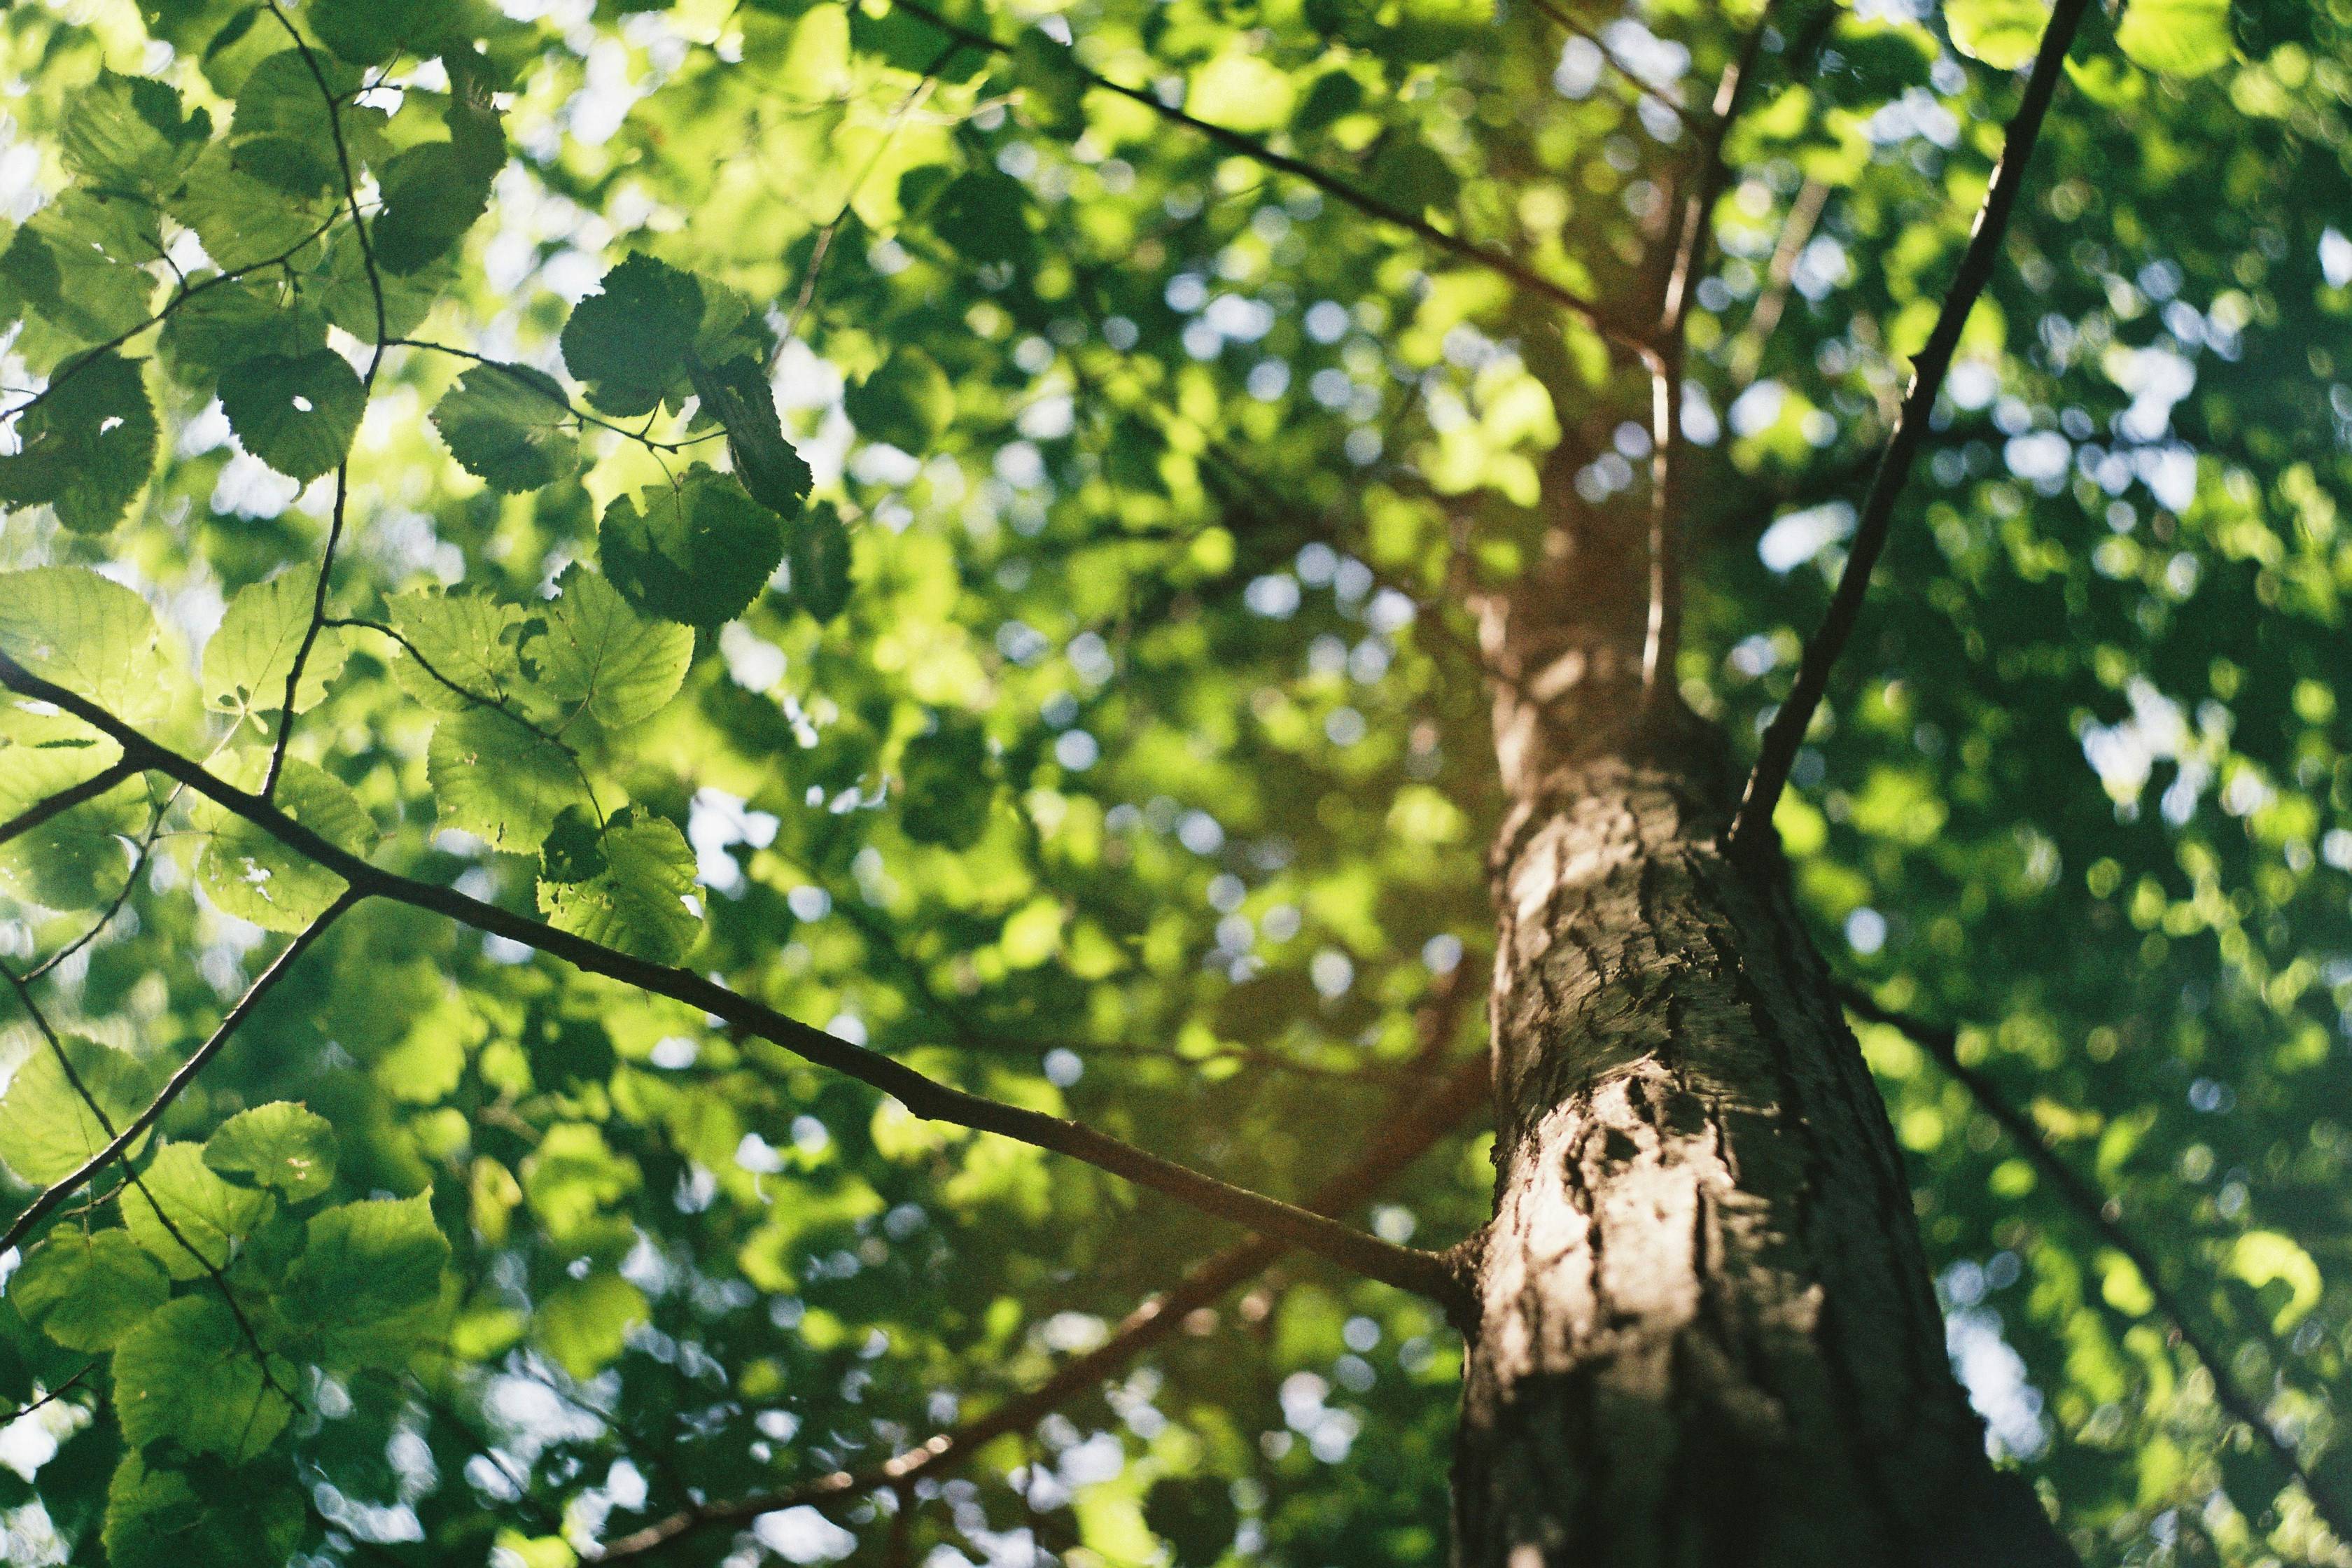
point(66, 1186)
point(1405, 1267)
point(1432, 1118)
point(64, 800)
point(1496, 261)
point(1943, 1045)
point(1751, 829)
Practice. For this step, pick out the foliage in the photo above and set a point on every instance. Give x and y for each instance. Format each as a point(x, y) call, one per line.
point(863, 504)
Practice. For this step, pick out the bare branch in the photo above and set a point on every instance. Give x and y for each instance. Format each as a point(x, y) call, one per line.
point(64, 800)
point(1750, 829)
point(1943, 1043)
point(1405, 1267)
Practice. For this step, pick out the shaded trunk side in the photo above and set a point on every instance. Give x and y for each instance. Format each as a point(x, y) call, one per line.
point(1706, 1333)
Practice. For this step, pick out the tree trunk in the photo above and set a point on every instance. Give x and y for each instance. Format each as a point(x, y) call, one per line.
point(1704, 1330)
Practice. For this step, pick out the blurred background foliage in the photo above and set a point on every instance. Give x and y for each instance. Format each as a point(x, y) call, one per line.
point(1141, 772)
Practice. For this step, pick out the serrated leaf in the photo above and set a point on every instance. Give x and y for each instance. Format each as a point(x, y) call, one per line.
point(2003, 33)
point(76, 274)
point(222, 323)
point(493, 777)
point(636, 904)
point(368, 1280)
point(600, 657)
point(284, 1146)
point(86, 1289)
point(252, 653)
point(297, 413)
point(208, 1215)
point(509, 425)
point(185, 1372)
point(87, 447)
point(77, 859)
point(128, 134)
point(574, 851)
point(282, 134)
point(431, 195)
point(629, 343)
point(737, 394)
point(89, 635)
point(371, 32)
point(470, 640)
point(251, 875)
point(348, 295)
point(48, 1130)
point(243, 221)
point(820, 558)
point(203, 1515)
point(2177, 37)
point(698, 552)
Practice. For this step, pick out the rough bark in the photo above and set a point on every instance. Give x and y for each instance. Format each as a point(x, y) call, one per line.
point(1704, 1330)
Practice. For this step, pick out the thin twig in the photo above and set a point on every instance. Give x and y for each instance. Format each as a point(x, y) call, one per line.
point(1431, 1118)
point(1499, 262)
point(1943, 1045)
point(1751, 827)
point(1403, 1266)
point(65, 1186)
point(52, 1396)
point(1642, 85)
point(64, 800)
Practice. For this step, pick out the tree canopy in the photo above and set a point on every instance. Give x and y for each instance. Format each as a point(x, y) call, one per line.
point(745, 795)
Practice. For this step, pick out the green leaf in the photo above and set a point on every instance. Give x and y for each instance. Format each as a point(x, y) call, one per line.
point(282, 134)
point(251, 875)
point(904, 403)
point(87, 447)
point(348, 295)
point(469, 640)
point(371, 32)
point(297, 413)
point(244, 221)
point(509, 425)
point(820, 558)
point(698, 552)
point(85, 1288)
point(495, 778)
point(221, 324)
point(574, 851)
point(206, 1212)
point(252, 653)
point(431, 195)
point(47, 1128)
point(89, 635)
point(629, 343)
point(1053, 88)
point(1196, 1517)
point(368, 1278)
point(77, 859)
point(583, 1324)
point(200, 1514)
point(949, 791)
point(2003, 34)
point(280, 1145)
point(599, 656)
point(186, 1372)
point(128, 134)
point(2177, 37)
point(1242, 91)
point(636, 903)
point(984, 215)
point(77, 271)
point(737, 394)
